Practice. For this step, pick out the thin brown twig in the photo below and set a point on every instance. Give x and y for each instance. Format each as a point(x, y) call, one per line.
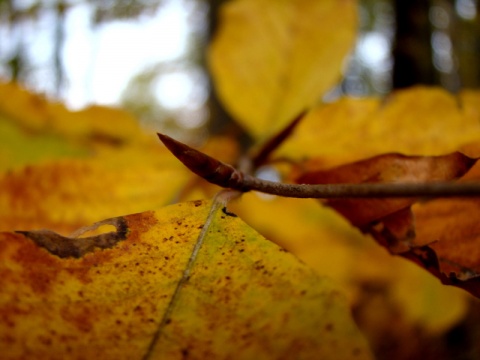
point(227, 176)
point(364, 190)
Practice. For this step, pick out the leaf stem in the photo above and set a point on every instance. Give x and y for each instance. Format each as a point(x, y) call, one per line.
point(275, 142)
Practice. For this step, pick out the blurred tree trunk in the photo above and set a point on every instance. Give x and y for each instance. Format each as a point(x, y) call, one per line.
point(412, 47)
point(59, 41)
point(219, 117)
point(466, 41)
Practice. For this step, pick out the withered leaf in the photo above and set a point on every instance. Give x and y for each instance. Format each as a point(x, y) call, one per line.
point(448, 237)
point(388, 168)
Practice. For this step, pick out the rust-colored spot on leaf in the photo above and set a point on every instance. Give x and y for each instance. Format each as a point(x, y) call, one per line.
point(81, 316)
point(31, 258)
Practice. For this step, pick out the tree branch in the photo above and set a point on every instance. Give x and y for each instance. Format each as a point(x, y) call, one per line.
point(364, 190)
point(226, 176)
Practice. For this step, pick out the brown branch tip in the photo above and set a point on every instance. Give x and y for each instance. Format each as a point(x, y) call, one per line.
point(224, 175)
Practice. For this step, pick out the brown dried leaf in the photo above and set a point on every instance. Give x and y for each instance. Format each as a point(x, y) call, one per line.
point(389, 168)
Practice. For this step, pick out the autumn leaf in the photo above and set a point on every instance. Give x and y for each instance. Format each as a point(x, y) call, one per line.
point(156, 292)
point(388, 168)
point(65, 195)
point(271, 60)
point(418, 121)
point(61, 170)
point(328, 243)
point(445, 238)
point(34, 114)
point(20, 148)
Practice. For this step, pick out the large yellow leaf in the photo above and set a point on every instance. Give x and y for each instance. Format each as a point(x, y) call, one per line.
point(20, 147)
point(62, 170)
point(35, 114)
point(271, 59)
point(415, 121)
point(168, 285)
point(326, 241)
point(66, 194)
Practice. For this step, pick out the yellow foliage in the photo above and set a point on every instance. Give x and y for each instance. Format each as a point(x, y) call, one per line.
point(273, 59)
point(35, 114)
point(330, 245)
point(245, 298)
point(415, 121)
point(65, 195)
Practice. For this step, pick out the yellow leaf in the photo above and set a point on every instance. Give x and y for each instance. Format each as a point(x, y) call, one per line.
point(241, 297)
point(326, 241)
point(35, 114)
point(416, 121)
point(19, 147)
point(65, 195)
point(272, 59)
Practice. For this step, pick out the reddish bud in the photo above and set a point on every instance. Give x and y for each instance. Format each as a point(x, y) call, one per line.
point(212, 170)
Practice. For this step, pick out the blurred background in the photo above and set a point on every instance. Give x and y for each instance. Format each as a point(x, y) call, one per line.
point(148, 56)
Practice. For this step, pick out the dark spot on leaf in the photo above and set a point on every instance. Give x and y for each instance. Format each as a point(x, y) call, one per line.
point(197, 203)
point(241, 250)
point(168, 321)
point(65, 247)
point(185, 353)
point(226, 212)
point(329, 327)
